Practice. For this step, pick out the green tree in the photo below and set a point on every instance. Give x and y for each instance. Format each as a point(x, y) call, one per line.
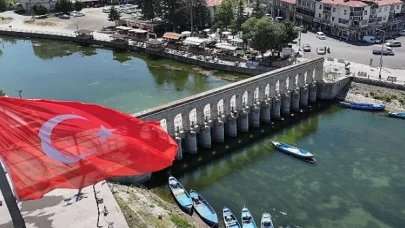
point(3, 5)
point(264, 34)
point(224, 13)
point(39, 9)
point(257, 10)
point(64, 6)
point(290, 32)
point(78, 5)
point(240, 17)
point(248, 29)
point(114, 15)
point(2, 94)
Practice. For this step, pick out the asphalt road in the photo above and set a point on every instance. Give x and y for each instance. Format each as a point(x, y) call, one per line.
point(361, 53)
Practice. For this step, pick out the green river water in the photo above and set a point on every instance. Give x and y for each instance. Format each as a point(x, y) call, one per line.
point(358, 179)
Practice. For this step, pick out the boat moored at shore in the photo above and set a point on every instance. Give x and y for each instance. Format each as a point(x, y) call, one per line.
point(363, 106)
point(230, 219)
point(400, 115)
point(206, 212)
point(247, 219)
point(266, 221)
point(181, 195)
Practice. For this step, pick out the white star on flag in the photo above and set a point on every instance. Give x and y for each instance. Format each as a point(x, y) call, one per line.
point(104, 133)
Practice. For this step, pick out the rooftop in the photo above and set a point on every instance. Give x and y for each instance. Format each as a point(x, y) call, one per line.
point(211, 3)
point(351, 3)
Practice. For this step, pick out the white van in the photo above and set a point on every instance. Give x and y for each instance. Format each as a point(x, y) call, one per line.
point(377, 49)
point(369, 39)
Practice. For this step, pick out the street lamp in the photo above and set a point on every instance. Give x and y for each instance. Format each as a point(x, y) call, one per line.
point(382, 50)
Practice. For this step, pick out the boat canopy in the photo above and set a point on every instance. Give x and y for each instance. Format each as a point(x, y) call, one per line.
point(194, 41)
point(138, 31)
point(172, 36)
point(125, 28)
point(226, 46)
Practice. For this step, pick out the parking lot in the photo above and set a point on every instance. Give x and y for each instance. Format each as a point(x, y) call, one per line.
point(361, 53)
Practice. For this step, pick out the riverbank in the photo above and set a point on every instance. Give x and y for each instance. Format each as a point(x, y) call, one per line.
point(393, 99)
point(145, 208)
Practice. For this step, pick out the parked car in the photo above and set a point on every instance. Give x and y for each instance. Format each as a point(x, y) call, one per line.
point(64, 16)
point(320, 35)
point(382, 49)
point(393, 43)
point(306, 48)
point(369, 39)
point(402, 33)
point(321, 50)
point(304, 30)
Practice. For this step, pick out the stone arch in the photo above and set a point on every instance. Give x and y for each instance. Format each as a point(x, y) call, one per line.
point(267, 91)
point(163, 124)
point(207, 112)
point(178, 123)
point(192, 116)
point(220, 107)
point(245, 98)
point(256, 95)
point(232, 103)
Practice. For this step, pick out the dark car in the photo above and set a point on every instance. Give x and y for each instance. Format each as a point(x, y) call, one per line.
point(304, 30)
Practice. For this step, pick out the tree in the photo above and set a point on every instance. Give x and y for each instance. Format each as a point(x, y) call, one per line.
point(114, 15)
point(39, 9)
point(248, 29)
point(3, 5)
point(257, 10)
point(224, 13)
point(290, 32)
point(240, 18)
point(78, 5)
point(64, 6)
point(264, 34)
point(2, 94)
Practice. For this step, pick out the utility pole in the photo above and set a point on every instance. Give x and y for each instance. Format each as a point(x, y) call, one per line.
point(19, 93)
point(299, 41)
point(16, 217)
point(382, 50)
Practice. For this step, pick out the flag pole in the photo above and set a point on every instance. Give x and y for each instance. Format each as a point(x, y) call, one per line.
point(16, 217)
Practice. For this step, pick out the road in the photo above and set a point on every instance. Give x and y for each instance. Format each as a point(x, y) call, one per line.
point(361, 53)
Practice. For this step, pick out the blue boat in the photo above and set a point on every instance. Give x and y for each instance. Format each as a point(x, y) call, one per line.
point(266, 221)
point(247, 219)
point(203, 209)
point(363, 106)
point(400, 115)
point(230, 219)
point(294, 151)
point(180, 194)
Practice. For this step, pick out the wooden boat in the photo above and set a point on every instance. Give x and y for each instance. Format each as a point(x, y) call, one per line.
point(363, 106)
point(180, 194)
point(294, 151)
point(230, 219)
point(266, 221)
point(400, 115)
point(247, 219)
point(204, 210)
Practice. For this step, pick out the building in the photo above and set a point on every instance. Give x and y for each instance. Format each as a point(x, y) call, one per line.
point(348, 19)
point(28, 4)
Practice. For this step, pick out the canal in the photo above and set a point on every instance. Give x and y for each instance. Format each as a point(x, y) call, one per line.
point(357, 181)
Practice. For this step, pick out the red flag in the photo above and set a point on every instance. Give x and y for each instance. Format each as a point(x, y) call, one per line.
point(53, 144)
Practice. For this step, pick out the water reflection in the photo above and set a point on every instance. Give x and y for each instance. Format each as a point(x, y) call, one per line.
point(50, 49)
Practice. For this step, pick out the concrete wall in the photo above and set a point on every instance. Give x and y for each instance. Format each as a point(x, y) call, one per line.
point(379, 83)
point(329, 90)
point(237, 95)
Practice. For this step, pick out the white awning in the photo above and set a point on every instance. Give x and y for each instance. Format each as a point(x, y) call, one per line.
point(226, 46)
point(194, 41)
point(186, 33)
point(138, 31)
point(123, 28)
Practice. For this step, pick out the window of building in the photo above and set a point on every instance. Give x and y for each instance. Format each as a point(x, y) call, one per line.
point(334, 9)
point(319, 15)
point(365, 12)
point(320, 6)
point(299, 2)
point(344, 12)
point(379, 10)
point(308, 4)
point(333, 18)
point(385, 8)
point(384, 18)
point(398, 6)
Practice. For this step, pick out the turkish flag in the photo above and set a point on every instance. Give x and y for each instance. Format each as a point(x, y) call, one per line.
point(54, 144)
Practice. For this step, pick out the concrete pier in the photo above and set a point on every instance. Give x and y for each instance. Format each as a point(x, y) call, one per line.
point(231, 126)
point(304, 96)
point(286, 103)
point(255, 116)
point(205, 136)
point(191, 142)
point(179, 155)
point(265, 111)
point(312, 92)
point(276, 108)
point(243, 121)
point(219, 130)
point(295, 100)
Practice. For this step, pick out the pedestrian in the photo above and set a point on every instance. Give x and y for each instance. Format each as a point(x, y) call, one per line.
point(379, 76)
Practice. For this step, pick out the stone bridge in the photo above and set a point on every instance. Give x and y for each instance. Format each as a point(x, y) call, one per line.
point(200, 119)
